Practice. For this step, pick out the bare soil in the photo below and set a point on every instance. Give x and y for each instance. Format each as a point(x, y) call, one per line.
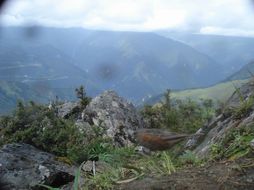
point(224, 175)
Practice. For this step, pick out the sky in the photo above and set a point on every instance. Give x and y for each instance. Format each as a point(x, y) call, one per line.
point(224, 17)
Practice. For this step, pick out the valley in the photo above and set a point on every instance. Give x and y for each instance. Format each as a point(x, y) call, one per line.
point(123, 95)
point(136, 65)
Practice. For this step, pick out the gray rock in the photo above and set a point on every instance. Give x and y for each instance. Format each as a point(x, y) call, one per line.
point(244, 92)
point(222, 125)
point(100, 167)
point(67, 109)
point(195, 140)
point(84, 127)
point(24, 167)
point(117, 117)
point(252, 144)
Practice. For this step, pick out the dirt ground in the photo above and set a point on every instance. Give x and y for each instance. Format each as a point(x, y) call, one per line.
point(237, 175)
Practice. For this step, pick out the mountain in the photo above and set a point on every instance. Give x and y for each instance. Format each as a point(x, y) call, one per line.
point(40, 65)
point(140, 64)
point(245, 72)
point(231, 52)
point(218, 93)
point(135, 64)
point(10, 92)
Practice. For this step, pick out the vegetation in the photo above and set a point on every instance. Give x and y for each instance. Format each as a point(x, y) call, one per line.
point(39, 126)
point(81, 95)
point(236, 144)
point(188, 157)
point(218, 93)
point(129, 166)
point(179, 115)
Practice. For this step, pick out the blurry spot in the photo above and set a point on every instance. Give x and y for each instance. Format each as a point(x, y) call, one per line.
point(41, 88)
point(2, 3)
point(32, 31)
point(252, 1)
point(107, 71)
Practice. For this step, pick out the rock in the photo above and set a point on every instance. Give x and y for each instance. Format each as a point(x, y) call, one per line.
point(252, 144)
point(222, 125)
point(117, 117)
point(142, 150)
point(245, 91)
point(23, 167)
point(100, 167)
point(68, 186)
point(84, 127)
point(194, 141)
point(67, 109)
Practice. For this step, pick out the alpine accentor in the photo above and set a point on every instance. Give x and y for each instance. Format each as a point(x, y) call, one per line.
point(157, 139)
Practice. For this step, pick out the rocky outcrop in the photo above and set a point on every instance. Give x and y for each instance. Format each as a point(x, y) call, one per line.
point(243, 93)
point(24, 167)
point(216, 130)
point(117, 117)
point(68, 109)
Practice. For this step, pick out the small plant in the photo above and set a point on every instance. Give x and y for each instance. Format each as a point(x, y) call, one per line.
point(189, 158)
point(244, 108)
point(81, 94)
point(235, 144)
point(167, 164)
point(158, 164)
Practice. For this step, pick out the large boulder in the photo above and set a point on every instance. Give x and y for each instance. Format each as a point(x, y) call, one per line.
point(24, 167)
point(117, 117)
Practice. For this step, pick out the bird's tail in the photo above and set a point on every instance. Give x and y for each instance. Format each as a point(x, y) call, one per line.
point(176, 137)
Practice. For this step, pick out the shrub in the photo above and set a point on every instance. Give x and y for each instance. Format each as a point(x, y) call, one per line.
point(179, 115)
point(81, 94)
point(37, 125)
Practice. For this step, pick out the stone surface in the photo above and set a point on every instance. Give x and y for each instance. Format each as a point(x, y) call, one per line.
point(117, 117)
point(245, 91)
point(252, 144)
point(220, 126)
point(67, 109)
point(100, 167)
point(218, 132)
point(23, 167)
point(195, 140)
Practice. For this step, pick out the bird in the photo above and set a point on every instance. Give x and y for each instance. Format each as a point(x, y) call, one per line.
point(158, 139)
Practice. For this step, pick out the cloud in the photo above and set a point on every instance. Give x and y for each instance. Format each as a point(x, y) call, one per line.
point(226, 31)
point(227, 16)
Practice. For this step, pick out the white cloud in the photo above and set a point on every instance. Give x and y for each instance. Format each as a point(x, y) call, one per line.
point(214, 16)
point(226, 31)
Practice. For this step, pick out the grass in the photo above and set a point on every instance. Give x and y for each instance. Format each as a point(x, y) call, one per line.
point(236, 144)
point(244, 108)
point(219, 92)
point(189, 158)
point(129, 166)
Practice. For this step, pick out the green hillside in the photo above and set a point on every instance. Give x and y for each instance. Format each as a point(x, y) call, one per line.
point(220, 92)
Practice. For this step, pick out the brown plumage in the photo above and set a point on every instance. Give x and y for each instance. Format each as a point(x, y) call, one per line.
point(158, 139)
